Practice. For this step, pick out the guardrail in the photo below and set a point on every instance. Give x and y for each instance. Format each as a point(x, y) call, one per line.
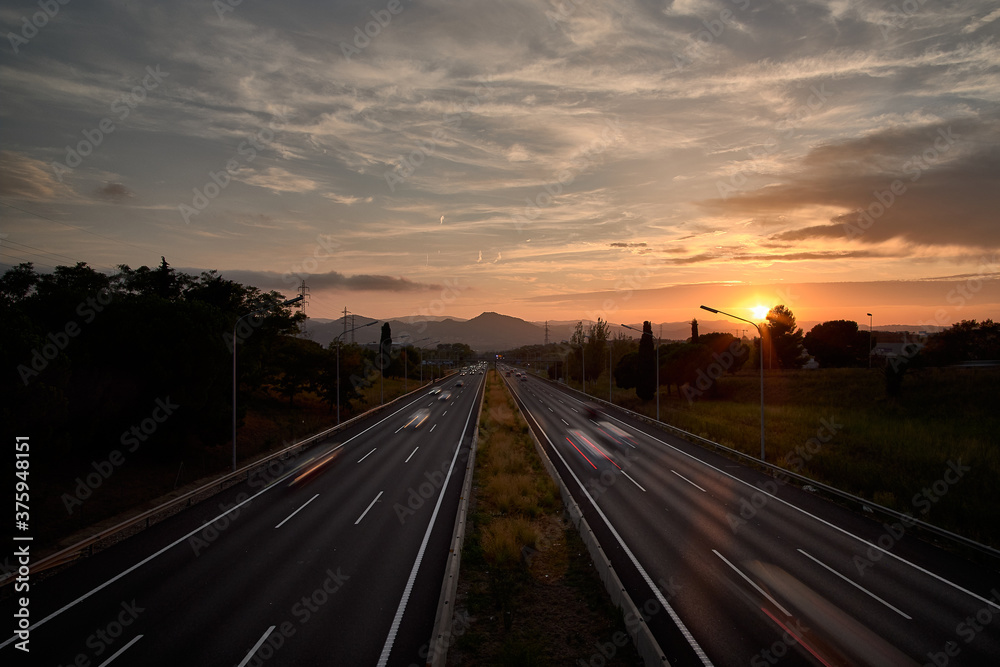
point(129, 527)
point(865, 504)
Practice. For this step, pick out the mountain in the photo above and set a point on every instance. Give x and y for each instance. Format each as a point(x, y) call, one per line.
point(483, 333)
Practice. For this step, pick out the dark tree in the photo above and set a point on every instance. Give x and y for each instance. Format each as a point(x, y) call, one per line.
point(785, 337)
point(645, 380)
point(626, 370)
point(837, 343)
point(694, 331)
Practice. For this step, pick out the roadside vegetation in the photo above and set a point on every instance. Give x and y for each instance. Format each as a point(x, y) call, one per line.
point(526, 582)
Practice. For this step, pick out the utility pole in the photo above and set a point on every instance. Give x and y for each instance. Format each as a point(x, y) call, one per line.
point(304, 294)
point(546, 332)
point(345, 321)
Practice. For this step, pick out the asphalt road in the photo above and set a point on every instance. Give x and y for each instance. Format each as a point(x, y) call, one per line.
point(734, 567)
point(335, 558)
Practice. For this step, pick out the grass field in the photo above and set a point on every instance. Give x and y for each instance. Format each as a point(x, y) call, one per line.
point(527, 582)
point(887, 450)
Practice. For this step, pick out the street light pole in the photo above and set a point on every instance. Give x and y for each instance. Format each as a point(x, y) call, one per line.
point(235, 326)
point(337, 340)
point(760, 332)
point(869, 340)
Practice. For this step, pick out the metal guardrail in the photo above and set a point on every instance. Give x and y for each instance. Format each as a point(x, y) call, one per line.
point(834, 491)
point(140, 522)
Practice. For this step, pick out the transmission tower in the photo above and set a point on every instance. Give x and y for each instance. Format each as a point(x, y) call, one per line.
point(546, 332)
point(304, 293)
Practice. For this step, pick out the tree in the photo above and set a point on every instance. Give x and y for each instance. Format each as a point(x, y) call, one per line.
point(837, 343)
point(597, 347)
point(645, 381)
point(627, 370)
point(785, 337)
point(385, 350)
point(694, 331)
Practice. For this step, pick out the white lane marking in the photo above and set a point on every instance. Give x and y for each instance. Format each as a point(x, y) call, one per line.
point(297, 511)
point(432, 428)
point(991, 603)
point(564, 421)
point(444, 413)
point(752, 583)
point(699, 651)
point(120, 651)
point(855, 584)
point(632, 480)
point(369, 453)
point(400, 429)
point(235, 507)
point(412, 453)
point(574, 409)
point(256, 646)
point(551, 410)
point(688, 481)
point(398, 618)
point(368, 508)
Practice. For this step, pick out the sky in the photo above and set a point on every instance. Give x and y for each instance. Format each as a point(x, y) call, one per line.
point(543, 159)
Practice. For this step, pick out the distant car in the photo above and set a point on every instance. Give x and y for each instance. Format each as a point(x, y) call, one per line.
point(524, 378)
point(591, 410)
point(517, 374)
point(460, 383)
point(445, 396)
point(435, 390)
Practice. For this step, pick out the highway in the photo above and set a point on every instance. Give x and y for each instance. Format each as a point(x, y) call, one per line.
point(335, 558)
point(732, 567)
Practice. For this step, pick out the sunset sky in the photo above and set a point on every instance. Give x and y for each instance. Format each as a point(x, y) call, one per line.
point(542, 159)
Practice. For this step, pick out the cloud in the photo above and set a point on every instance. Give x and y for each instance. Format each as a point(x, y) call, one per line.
point(347, 200)
point(929, 185)
point(115, 192)
point(329, 280)
point(24, 177)
point(278, 180)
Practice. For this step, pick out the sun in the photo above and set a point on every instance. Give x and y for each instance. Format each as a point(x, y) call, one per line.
point(760, 312)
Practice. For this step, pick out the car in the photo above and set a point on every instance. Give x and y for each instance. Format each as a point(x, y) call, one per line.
point(417, 418)
point(460, 383)
point(435, 390)
point(524, 378)
point(445, 396)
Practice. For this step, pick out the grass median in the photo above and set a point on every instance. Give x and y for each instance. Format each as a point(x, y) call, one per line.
point(527, 585)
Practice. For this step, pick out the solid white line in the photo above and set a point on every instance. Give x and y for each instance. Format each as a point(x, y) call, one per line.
point(700, 652)
point(432, 428)
point(297, 511)
point(120, 651)
point(856, 585)
point(687, 480)
point(368, 508)
point(412, 453)
point(369, 453)
point(751, 582)
point(991, 603)
point(398, 618)
point(632, 480)
point(256, 646)
point(235, 507)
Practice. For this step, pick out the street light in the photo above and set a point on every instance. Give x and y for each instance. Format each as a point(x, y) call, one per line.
point(656, 371)
point(760, 332)
point(337, 340)
point(235, 326)
point(869, 340)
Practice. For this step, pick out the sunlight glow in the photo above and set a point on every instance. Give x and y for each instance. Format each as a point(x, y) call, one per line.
point(760, 312)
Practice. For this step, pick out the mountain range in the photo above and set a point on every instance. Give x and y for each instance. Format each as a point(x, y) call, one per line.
point(490, 331)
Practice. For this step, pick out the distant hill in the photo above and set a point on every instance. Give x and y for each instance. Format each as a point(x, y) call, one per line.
point(495, 332)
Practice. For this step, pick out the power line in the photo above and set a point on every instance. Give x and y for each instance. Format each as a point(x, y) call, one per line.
point(48, 252)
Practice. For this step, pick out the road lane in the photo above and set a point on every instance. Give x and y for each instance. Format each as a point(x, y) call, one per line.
point(692, 503)
point(311, 573)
